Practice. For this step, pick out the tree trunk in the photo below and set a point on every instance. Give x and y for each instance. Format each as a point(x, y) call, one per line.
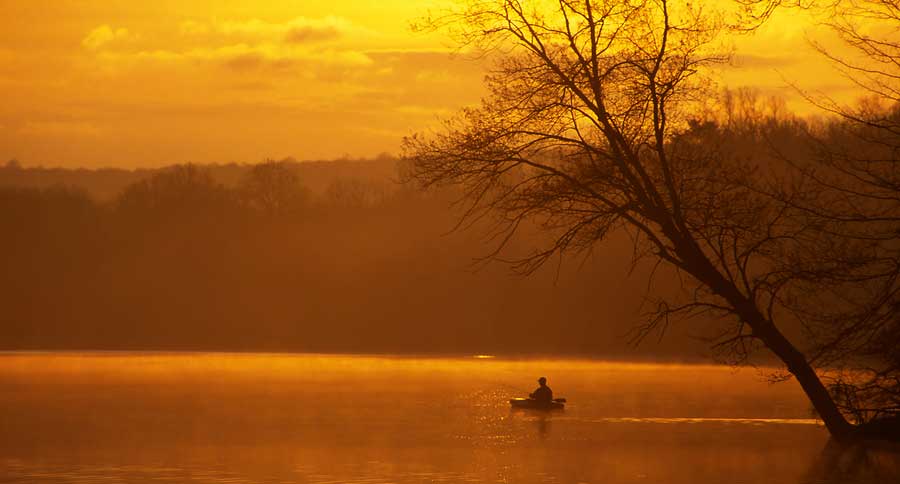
point(796, 363)
point(766, 331)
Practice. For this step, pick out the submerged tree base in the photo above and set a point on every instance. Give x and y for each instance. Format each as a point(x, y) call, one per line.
point(884, 429)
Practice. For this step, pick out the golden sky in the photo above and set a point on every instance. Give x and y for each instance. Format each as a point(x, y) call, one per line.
point(129, 83)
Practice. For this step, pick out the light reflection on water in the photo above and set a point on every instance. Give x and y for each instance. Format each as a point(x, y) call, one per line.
point(273, 418)
point(690, 420)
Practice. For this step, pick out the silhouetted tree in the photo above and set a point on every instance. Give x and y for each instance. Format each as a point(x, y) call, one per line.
point(850, 195)
point(180, 189)
point(274, 188)
point(870, 58)
point(852, 180)
point(586, 131)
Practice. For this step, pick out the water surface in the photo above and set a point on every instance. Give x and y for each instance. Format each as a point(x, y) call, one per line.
point(271, 418)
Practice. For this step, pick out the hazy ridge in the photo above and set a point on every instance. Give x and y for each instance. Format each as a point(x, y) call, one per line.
point(361, 264)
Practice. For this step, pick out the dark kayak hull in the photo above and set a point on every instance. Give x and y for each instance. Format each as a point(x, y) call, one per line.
point(530, 404)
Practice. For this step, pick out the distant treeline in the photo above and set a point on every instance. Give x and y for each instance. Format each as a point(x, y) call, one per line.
point(107, 183)
point(285, 256)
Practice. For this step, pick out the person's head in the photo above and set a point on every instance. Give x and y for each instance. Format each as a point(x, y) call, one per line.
point(542, 380)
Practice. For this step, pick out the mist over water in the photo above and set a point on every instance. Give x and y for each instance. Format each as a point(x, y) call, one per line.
point(191, 258)
point(277, 418)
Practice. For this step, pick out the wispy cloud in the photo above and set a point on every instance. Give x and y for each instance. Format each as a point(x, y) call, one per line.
point(300, 30)
point(315, 44)
point(104, 35)
point(763, 61)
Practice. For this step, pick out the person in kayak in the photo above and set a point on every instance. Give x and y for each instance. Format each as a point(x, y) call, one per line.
point(543, 393)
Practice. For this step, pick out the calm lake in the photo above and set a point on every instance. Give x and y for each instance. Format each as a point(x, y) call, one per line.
point(278, 418)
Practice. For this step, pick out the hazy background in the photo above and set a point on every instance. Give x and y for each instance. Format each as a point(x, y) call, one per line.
point(99, 258)
point(122, 259)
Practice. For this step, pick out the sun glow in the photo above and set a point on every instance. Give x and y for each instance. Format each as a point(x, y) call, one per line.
point(115, 83)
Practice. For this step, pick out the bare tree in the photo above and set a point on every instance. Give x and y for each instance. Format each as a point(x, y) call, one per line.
point(870, 58)
point(176, 189)
point(850, 309)
point(273, 187)
point(853, 176)
point(587, 130)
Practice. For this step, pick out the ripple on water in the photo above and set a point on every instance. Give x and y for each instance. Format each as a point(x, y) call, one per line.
point(304, 419)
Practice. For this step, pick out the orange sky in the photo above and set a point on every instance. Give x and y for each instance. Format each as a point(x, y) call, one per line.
point(129, 83)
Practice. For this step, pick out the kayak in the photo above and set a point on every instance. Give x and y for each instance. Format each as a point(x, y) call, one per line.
point(532, 404)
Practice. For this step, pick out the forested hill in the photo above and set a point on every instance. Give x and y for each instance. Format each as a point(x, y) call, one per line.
point(287, 256)
point(105, 184)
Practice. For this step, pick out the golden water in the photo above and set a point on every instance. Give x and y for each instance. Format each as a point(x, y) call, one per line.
point(273, 418)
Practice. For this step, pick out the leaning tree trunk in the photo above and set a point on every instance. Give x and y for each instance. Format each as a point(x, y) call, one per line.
point(766, 331)
point(796, 363)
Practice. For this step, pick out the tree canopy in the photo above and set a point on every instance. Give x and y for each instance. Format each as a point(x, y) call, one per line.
point(593, 125)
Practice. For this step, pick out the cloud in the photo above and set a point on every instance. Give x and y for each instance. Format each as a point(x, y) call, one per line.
point(255, 27)
point(305, 34)
point(245, 61)
point(324, 47)
point(245, 58)
point(300, 30)
point(762, 61)
point(304, 30)
point(104, 35)
point(420, 82)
